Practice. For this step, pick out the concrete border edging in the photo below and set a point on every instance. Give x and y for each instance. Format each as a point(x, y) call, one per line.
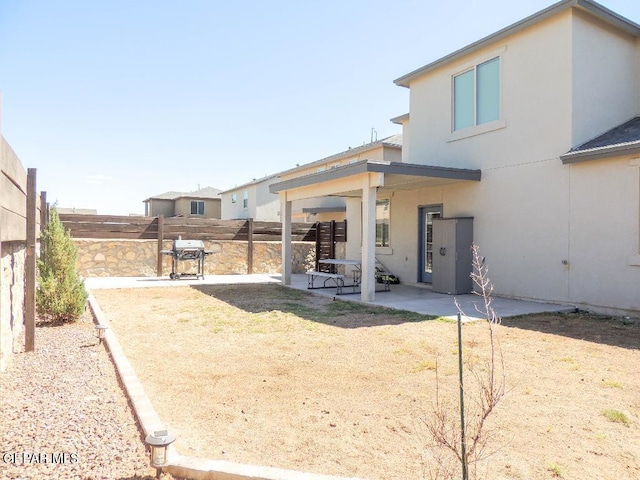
point(182, 466)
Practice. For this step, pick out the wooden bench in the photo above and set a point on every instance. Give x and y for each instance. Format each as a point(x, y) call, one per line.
point(334, 277)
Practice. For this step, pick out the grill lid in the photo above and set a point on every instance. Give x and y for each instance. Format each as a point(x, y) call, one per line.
point(188, 245)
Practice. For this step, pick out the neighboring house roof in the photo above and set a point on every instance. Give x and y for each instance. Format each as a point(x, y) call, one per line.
point(394, 141)
point(621, 140)
point(207, 192)
point(253, 182)
point(164, 196)
point(593, 8)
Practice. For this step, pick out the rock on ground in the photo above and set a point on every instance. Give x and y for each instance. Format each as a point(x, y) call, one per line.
point(64, 413)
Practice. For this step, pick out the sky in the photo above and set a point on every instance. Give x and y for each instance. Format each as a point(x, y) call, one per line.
point(116, 101)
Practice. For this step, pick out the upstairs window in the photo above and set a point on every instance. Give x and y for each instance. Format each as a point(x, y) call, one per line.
point(476, 95)
point(197, 207)
point(245, 199)
point(234, 198)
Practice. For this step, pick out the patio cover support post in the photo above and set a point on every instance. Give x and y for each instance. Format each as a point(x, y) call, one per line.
point(368, 285)
point(285, 214)
point(354, 221)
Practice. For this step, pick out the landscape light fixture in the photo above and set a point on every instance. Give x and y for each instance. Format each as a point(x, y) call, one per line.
point(159, 441)
point(100, 329)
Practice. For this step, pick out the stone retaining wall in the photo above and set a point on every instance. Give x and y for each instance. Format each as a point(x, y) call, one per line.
point(137, 258)
point(12, 288)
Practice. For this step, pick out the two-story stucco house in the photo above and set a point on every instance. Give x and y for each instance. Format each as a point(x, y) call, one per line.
point(255, 200)
point(202, 203)
point(531, 136)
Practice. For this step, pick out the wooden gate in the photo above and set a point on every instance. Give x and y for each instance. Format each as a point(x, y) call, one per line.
point(327, 235)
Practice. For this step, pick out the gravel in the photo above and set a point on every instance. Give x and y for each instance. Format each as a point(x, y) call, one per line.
point(64, 413)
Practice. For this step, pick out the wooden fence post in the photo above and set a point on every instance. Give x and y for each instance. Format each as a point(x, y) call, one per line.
point(160, 242)
point(250, 247)
point(30, 264)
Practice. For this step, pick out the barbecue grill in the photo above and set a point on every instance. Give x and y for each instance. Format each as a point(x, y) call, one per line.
point(187, 250)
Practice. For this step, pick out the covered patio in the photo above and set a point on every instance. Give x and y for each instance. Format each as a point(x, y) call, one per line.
point(360, 184)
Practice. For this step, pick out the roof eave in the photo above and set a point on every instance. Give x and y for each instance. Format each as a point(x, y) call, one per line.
point(400, 119)
point(588, 5)
point(600, 153)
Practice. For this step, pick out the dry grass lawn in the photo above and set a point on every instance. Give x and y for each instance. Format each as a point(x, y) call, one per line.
point(265, 375)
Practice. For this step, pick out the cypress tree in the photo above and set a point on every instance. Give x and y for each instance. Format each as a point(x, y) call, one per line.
point(60, 296)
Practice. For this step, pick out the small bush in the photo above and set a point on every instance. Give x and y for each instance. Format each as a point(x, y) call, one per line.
point(616, 417)
point(555, 470)
point(60, 296)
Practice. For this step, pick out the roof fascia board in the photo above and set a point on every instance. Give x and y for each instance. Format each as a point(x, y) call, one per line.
point(600, 153)
point(610, 17)
point(588, 5)
point(399, 119)
point(400, 168)
point(391, 168)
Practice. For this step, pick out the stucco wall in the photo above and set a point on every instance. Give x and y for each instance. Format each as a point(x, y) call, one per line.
point(605, 77)
point(161, 207)
point(235, 211)
point(12, 288)
point(536, 100)
point(548, 231)
point(520, 223)
point(211, 207)
point(605, 235)
point(137, 258)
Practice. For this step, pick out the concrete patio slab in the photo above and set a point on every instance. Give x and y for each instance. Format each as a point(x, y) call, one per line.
point(423, 300)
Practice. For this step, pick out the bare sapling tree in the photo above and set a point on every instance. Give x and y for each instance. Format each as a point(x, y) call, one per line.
point(459, 438)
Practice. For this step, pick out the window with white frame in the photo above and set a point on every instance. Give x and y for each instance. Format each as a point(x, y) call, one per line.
point(382, 222)
point(476, 95)
point(245, 199)
point(197, 207)
point(234, 198)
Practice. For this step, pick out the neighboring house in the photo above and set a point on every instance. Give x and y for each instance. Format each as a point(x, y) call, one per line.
point(254, 200)
point(251, 200)
point(533, 132)
point(203, 203)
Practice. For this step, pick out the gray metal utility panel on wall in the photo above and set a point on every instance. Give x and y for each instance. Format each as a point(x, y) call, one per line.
point(452, 256)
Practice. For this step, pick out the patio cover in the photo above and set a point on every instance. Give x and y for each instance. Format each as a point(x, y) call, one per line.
point(362, 179)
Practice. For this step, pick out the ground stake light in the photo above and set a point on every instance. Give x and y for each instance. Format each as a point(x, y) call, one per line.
point(100, 329)
point(159, 441)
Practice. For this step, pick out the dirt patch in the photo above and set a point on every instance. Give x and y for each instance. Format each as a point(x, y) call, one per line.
point(265, 375)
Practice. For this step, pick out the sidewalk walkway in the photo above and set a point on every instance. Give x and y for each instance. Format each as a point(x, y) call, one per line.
point(405, 297)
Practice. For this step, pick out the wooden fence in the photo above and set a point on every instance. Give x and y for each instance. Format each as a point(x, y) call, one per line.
point(160, 229)
point(22, 214)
